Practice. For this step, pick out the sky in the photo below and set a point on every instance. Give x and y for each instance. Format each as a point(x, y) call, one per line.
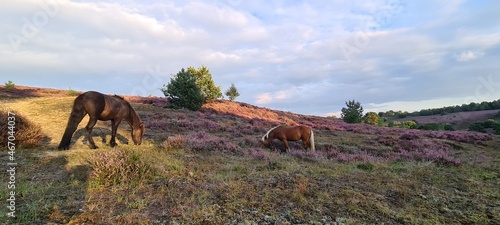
point(307, 57)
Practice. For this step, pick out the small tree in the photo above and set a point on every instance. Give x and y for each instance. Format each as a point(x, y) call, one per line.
point(232, 93)
point(204, 80)
point(353, 113)
point(9, 84)
point(371, 118)
point(409, 124)
point(183, 92)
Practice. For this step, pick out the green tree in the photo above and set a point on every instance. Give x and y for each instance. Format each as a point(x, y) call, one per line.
point(409, 124)
point(183, 92)
point(209, 90)
point(9, 84)
point(232, 93)
point(353, 113)
point(371, 118)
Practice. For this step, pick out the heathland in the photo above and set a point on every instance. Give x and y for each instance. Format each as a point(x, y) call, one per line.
point(208, 167)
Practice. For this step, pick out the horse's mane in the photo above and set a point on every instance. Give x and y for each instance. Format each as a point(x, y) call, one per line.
point(123, 99)
point(120, 97)
point(269, 131)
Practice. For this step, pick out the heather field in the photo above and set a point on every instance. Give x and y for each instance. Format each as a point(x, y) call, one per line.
point(208, 167)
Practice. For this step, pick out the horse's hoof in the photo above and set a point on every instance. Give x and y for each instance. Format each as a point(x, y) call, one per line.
point(94, 147)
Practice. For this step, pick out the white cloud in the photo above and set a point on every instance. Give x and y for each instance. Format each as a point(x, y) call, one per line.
point(263, 99)
point(468, 55)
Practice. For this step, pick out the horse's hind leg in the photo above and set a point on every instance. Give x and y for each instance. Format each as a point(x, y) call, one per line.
point(286, 145)
point(305, 143)
point(90, 125)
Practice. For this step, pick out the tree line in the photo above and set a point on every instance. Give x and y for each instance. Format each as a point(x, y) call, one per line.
point(353, 113)
point(445, 110)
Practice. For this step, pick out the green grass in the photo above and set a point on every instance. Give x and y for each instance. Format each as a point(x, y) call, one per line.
point(156, 183)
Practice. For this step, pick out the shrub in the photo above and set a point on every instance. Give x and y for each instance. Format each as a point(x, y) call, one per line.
point(27, 133)
point(10, 85)
point(72, 92)
point(394, 124)
point(409, 124)
point(174, 142)
point(490, 123)
point(431, 126)
point(365, 166)
point(448, 127)
point(478, 127)
point(119, 166)
point(371, 118)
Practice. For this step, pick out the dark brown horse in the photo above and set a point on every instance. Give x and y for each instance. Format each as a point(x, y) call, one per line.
point(102, 107)
point(291, 133)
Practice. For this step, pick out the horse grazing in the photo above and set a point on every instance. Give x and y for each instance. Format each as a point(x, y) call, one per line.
point(290, 133)
point(102, 107)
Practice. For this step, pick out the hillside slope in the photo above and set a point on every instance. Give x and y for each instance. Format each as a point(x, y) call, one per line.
point(208, 167)
point(459, 120)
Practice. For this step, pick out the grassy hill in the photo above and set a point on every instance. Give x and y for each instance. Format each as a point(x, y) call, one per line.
point(208, 167)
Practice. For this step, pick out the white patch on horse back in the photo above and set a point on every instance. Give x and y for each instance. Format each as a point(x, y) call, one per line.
point(269, 131)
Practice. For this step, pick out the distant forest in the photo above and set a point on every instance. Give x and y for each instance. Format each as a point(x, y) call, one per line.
point(445, 110)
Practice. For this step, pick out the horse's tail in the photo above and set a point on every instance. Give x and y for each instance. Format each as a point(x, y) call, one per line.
point(77, 114)
point(311, 141)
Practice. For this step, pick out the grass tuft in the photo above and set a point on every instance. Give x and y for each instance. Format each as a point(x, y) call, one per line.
point(27, 134)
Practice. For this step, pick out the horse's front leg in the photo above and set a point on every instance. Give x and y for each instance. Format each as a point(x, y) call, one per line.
point(114, 129)
point(90, 125)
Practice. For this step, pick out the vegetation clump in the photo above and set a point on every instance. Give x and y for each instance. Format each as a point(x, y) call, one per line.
point(26, 133)
point(119, 166)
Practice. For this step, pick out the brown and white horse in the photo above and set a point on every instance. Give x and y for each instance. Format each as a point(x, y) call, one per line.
point(290, 133)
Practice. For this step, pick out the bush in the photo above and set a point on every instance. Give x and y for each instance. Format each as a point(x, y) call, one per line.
point(448, 127)
point(410, 124)
point(482, 126)
point(478, 127)
point(174, 142)
point(371, 118)
point(119, 166)
point(27, 133)
point(490, 123)
point(9, 84)
point(72, 92)
point(431, 126)
point(394, 124)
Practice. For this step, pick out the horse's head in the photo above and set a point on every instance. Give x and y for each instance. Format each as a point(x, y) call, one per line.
point(265, 140)
point(137, 133)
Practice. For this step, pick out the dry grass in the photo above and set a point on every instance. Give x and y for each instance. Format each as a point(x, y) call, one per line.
point(27, 134)
point(353, 178)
